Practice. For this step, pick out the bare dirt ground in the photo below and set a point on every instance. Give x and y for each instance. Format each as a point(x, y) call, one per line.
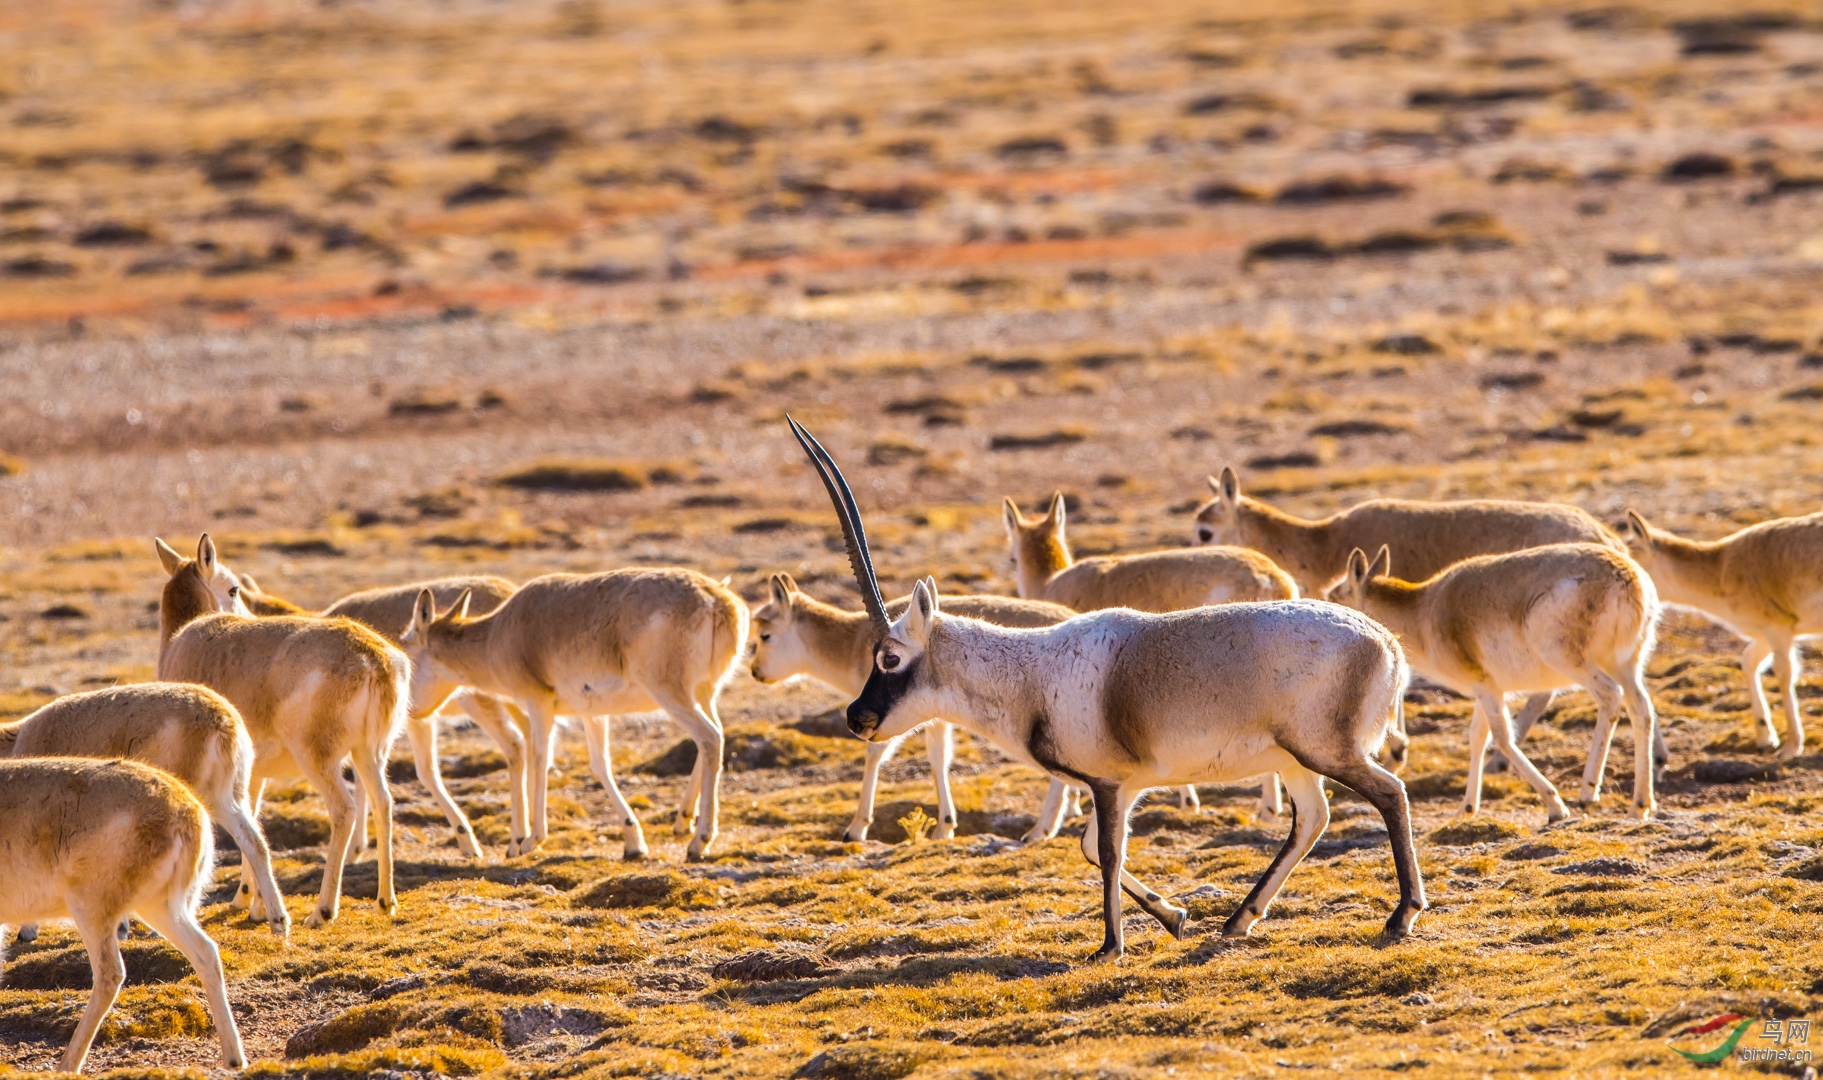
point(319, 278)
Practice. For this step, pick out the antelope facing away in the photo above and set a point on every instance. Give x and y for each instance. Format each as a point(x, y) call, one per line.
point(1764, 582)
point(1544, 618)
point(96, 841)
point(1429, 536)
point(189, 731)
point(1155, 581)
point(387, 611)
point(1121, 701)
point(588, 646)
point(312, 693)
point(801, 635)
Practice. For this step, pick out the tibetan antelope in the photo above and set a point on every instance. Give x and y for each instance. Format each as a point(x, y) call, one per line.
point(1121, 701)
point(142, 846)
point(312, 693)
point(588, 646)
point(387, 611)
point(801, 635)
point(1429, 536)
point(189, 731)
point(1155, 581)
point(1544, 618)
point(1764, 582)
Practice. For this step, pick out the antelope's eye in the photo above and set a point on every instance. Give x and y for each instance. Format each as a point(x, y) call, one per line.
point(765, 637)
point(889, 662)
point(234, 590)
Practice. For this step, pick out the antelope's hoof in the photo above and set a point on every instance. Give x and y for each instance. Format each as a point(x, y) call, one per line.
point(1399, 924)
point(1179, 925)
point(388, 908)
point(682, 826)
point(1790, 750)
point(1240, 924)
point(1589, 798)
point(235, 1063)
point(1556, 813)
point(1767, 740)
point(1031, 838)
point(698, 848)
point(280, 927)
point(318, 918)
point(1469, 810)
point(944, 831)
point(467, 844)
point(1107, 954)
point(634, 854)
point(855, 833)
point(1645, 812)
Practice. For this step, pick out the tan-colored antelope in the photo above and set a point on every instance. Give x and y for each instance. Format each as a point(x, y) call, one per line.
point(387, 611)
point(1122, 701)
point(96, 841)
point(1765, 583)
point(590, 646)
point(312, 693)
point(801, 635)
point(1429, 536)
point(1544, 618)
point(1156, 581)
point(189, 731)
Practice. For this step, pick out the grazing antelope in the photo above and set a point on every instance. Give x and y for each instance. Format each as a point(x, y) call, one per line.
point(191, 732)
point(312, 692)
point(800, 635)
point(1156, 581)
point(590, 645)
point(1121, 701)
point(96, 841)
point(1429, 536)
point(1544, 618)
point(387, 611)
point(1764, 582)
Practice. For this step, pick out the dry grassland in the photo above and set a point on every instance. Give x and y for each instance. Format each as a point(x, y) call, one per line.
point(376, 291)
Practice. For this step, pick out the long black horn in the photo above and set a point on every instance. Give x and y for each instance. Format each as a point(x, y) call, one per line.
point(856, 536)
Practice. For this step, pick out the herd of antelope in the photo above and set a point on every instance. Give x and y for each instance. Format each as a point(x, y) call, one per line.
point(1280, 648)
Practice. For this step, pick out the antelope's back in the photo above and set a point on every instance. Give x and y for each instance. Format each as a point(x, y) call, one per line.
point(608, 620)
point(168, 725)
point(1162, 581)
point(999, 610)
point(387, 610)
point(1427, 537)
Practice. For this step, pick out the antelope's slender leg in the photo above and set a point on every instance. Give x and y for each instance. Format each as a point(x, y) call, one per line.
point(1309, 817)
point(595, 732)
point(940, 746)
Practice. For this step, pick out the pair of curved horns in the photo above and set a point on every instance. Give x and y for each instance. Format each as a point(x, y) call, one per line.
point(858, 557)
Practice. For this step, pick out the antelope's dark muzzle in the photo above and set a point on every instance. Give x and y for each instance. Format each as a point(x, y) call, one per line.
point(863, 721)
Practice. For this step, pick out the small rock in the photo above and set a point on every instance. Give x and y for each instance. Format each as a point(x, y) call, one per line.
point(1527, 852)
point(1417, 998)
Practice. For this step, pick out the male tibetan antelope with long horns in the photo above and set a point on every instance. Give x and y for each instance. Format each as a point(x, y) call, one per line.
point(1120, 701)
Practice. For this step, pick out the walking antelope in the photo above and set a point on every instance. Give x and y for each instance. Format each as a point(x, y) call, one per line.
point(800, 635)
point(1121, 701)
point(1764, 582)
point(144, 847)
point(1156, 581)
point(1544, 618)
point(312, 692)
point(591, 645)
point(191, 732)
point(387, 611)
point(1429, 537)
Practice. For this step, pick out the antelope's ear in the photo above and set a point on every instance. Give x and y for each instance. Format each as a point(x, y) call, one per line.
point(1638, 527)
point(1055, 514)
point(1229, 486)
point(250, 585)
point(1383, 562)
point(168, 556)
point(921, 611)
point(205, 555)
point(1357, 566)
point(781, 587)
point(459, 609)
point(1011, 513)
point(423, 611)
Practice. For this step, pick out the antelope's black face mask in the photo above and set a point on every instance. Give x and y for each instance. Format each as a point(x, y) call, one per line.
point(887, 684)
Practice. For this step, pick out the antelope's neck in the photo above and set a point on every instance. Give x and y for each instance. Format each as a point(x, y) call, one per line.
point(840, 644)
point(1305, 548)
point(1041, 559)
point(1686, 571)
point(983, 678)
point(465, 647)
point(1394, 604)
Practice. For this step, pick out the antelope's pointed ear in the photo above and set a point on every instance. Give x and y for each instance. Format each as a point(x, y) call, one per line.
point(921, 611)
point(1383, 562)
point(1638, 527)
point(1011, 513)
point(1357, 566)
point(248, 584)
point(168, 556)
point(423, 611)
point(205, 555)
point(459, 609)
point(1055, 514)
point(781, 587)
point(1229, 486)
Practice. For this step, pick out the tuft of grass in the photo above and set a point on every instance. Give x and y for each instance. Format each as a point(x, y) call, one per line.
point(1474, 830)
point(664, 888)
point(577, 474)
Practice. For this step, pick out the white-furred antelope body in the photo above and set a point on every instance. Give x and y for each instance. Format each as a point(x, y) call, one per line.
point(189, 731)
point(1765, 583)
point(1121, 701)
point(592, 646)
point(800, 635)
point(95, 841)
point(387, 611)
point(1540, 619)
point(312, 693)
point(1429, 537)
point(1155, 581)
